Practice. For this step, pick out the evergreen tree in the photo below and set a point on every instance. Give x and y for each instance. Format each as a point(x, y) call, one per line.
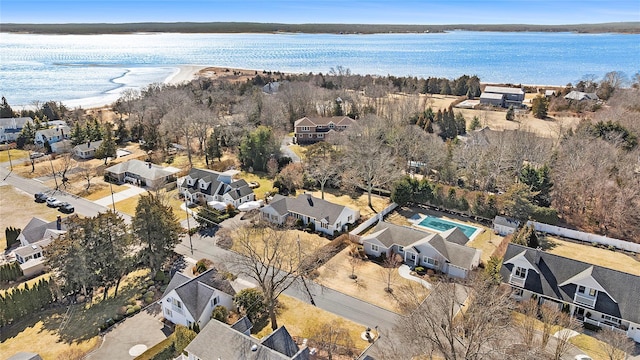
point(122, 133)
point(539, 106)
point(257, 147)
point(27, 135)
point(78, 135)
point(5, 109)
point(475, 123)
point(94, 130)
point(511, 115)
point(461, 123)
point(111, 248)
point(213, 150)
point(107, 148)
point(158, 230)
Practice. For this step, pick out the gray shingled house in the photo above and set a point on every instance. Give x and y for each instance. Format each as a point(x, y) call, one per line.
point(188, 301)
point(327, 217)
point(445, 252)
point(502, 96)
point(204, 186)
point(591, 293)
point(221, 341)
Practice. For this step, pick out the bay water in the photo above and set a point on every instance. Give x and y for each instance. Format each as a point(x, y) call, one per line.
point(93, 70)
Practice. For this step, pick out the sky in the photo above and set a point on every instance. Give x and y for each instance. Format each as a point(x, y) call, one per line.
point(543, 12)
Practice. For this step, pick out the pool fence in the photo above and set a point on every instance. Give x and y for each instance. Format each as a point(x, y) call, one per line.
point(586, 237)
point(354, 235)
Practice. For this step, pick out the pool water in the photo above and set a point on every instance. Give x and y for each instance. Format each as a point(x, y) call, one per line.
point(444, 225)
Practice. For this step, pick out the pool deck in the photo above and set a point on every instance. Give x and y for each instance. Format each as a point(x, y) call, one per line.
point(418, 218)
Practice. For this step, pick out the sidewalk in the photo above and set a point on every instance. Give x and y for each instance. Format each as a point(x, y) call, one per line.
point(122, 195)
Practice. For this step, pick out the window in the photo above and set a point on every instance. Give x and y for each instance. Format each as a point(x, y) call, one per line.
point(375, 248)
point(430, 261)
point(518, 292)
point(168, 312)
point(331, 126)
point(189, 323)
point(349, 217)
point(521, 272)
point(412, 256)
point(592, 292)
point(215, 301)
point(581, 289)
point(305, 128)
point(320, 136)
point(324, 225)
point(400, 248)
point(177, 303)
point(610, 318)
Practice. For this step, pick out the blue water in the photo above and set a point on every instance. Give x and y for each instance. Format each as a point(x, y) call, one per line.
point(83, 69)
point(444, 225)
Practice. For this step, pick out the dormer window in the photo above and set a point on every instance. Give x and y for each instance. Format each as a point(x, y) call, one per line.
point(520, 272)
point(331, 126)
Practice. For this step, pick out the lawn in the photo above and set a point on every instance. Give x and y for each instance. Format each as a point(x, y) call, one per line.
point(590, 345)
point(302, 320)
point(100, 190)
point(47, 333)
point(266, 184)
point(298, 150)
point(611, 259)
point(487, 241)
point(128, 206)
point(15, 155)
point(360, 202)
point(370, 283)
point(17, 208)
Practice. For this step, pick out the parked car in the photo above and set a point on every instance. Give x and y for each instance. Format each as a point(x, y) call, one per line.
point(66, 208)
point(40, 197)
point(35, 155)
point(583, 357)
point(53, 202)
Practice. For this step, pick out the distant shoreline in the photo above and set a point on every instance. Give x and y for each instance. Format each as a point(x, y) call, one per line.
point(247, 27)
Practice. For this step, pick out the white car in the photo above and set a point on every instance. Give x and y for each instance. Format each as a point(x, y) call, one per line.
point(53, 202)
point(582, 357)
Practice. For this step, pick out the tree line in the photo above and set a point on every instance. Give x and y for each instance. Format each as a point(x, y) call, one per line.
point(19, 302)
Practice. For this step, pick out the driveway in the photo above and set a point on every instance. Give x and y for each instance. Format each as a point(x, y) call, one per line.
point(132, 336)
point(284, 148)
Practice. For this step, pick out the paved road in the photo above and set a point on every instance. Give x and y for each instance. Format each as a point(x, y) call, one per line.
point(31, 186)
point(286, 151)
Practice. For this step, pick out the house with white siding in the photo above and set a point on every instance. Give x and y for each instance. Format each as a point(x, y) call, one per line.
point(590, 293)
point(444, 252)
point(203, 186)
point(188, 301)
point(327, 217)
point(10, 128)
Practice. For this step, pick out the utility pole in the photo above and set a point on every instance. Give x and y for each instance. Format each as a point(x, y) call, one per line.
point(186, 210)
point(53, 171)
point(113, 202)
point(9, 153)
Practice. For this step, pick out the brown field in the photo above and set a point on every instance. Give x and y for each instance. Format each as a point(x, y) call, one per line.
point(360, 202)
point(370, 283)
point(616, 260)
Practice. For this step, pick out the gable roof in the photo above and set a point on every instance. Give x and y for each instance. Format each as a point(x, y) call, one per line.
point(579, 95)
point(503, 90)
point(493, 96)
point(195, 293)
point(391, 234)
point(88, 145)
point(557, 276)
point(324, 121)
point(233, 344)
point(307, 205)
point(14, 123)
point(455, 235)
point(144, 169)
point(36, 229)
point(505, 221)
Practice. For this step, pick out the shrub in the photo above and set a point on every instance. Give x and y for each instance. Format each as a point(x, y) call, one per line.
point(137, 308)
point(148, 300)
point(160, 276)
point(220, 313)
point(130, 311)
point(149, 294)
point(121, 310)
point(591, 327)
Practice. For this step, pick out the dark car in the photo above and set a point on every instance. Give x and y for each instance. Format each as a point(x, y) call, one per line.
point(66, 208)
point(40, 197)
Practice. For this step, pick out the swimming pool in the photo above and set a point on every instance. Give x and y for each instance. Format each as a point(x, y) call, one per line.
point(444, 225)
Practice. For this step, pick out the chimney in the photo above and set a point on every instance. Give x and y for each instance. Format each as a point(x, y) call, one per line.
point(310, 200)
point(149, 164)
point(537, 257)
point(59, 223)
point(89, 143)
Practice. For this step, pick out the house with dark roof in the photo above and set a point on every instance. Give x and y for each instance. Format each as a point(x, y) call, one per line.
point(313, 129)
point(52, 135)
point(502, 96)
point(594, 294)
point(188, 301)
point(10, 128)
point(326, 216)
point(204, 186)
point(218, 341)
point(504, 226)
point(445, 252)
point(87, 150)
point(142, 173)
point(35, 237)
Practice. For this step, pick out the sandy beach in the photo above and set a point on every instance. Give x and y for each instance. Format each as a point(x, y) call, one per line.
point(184, 73)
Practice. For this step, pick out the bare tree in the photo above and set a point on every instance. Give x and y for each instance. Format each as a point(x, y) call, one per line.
point(333, 339)
point(270, 257)
point(321, 163)
point(568, 327)
point(64, 164)
point(389, 271)
point(457, 321)
point(87, 172)
point(527, 326)
point(368, 160)
point(615, 344)
point(355, 260)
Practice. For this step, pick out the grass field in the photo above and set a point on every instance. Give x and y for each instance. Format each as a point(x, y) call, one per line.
point(100, 190)
point(302, 320)
point(359, 203)
point(611, 259)
point(266, 184)
point(15, 155)
point(44, 334)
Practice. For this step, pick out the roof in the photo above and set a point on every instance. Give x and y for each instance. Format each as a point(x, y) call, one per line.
point(504, 221)
point(16, 123)
point(455, 235)
point(36, 228)
point(242, 325)
point(233, 344)
point(390, 234)
point(32, 248)
point(579, 95)
point(556, 276)
point(54, 131)
point(324, 121)
point(503, 90)
point(492, 96)
point(88, 145)
point(195, 293)
point(307, 205)
point(25, 356)
point(143, 169)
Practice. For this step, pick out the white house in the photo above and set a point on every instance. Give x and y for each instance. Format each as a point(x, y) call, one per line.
point(142, 173)
point(580, 96)
point(87, 150)
point(445, 252)
point(591, 293)
point(327, 217)
point(188, 301)
point(504, 226)
point(10, 128)
point(202, 185)
point(37, 234)
point(52, 135)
